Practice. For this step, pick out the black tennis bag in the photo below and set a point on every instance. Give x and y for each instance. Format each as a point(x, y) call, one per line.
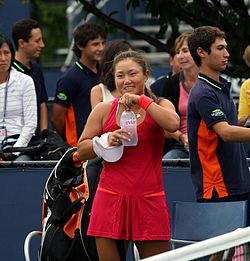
point(65, 199)
point(68, 196)
point(46, 146)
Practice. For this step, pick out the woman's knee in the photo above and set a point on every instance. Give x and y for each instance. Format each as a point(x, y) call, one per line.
point(151, 247)
point(107, 249)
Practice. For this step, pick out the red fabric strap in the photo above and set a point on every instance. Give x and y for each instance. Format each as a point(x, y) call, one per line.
point(144, 101)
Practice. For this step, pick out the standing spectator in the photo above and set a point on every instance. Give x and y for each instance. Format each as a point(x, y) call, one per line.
point(177, 90)
point(219, 167)
point(174, 63)
point(244, 101)
point(72, 106)
point(18, 113)
point(106, 90)
point(131, 182)
point(28, 40)
point(158, 86)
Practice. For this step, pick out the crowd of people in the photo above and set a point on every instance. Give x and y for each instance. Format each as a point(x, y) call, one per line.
point(188, 114)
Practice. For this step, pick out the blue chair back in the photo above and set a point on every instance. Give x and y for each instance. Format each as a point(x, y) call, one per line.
point(199, 221)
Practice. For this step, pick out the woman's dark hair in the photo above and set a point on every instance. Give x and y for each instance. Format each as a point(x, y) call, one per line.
point(84, 33)
point(140, 58)
point(112, 48)
point(5, 39)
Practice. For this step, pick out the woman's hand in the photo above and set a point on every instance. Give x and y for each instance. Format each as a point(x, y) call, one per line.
point(8, 156)
point(248, 94)
point(115, 138)
point(129, 99)
point(184, 140)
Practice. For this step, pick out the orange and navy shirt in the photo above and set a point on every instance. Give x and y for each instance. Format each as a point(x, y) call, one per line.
point(73, 92)
point(215, 164)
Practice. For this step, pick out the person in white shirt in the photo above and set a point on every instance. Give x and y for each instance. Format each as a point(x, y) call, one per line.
point(18, 113)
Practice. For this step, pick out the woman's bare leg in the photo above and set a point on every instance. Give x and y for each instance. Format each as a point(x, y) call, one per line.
point(149, 248)
point(107, 249)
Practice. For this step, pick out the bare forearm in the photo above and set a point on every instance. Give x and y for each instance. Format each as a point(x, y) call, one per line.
point(238, 133)
point(59, 127)
point(44, 117)
point(232, 133)
point(85, 150)
point(174, 135)
point(58, 119)
point(168, 119)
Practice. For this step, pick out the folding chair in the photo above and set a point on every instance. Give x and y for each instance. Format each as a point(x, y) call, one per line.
point(193, 222)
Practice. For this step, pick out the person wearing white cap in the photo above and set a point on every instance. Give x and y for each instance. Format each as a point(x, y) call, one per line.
point(130, 202)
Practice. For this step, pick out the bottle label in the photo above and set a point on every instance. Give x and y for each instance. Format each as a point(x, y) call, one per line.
point(128, 121)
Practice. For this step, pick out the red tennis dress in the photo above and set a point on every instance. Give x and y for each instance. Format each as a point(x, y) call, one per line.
point(130, 202)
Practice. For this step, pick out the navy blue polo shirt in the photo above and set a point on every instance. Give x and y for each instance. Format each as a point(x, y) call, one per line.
point(73, 92)
point(215, 164)
point(158, 86)
point(37, 75)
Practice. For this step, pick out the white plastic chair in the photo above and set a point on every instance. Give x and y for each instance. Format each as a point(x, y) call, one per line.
point(27, 243)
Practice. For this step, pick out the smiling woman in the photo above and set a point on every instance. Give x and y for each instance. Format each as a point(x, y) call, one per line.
point(129, 185)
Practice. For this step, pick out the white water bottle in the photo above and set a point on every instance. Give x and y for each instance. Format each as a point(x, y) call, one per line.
point(128, 122)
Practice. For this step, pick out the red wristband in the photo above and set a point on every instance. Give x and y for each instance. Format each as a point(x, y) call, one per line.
point(144, 101)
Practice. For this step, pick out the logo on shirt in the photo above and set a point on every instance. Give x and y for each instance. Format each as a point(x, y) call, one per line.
point(62, 96)
point(217, 113)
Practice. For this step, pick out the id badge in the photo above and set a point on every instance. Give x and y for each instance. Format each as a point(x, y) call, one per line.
point(3, 133)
